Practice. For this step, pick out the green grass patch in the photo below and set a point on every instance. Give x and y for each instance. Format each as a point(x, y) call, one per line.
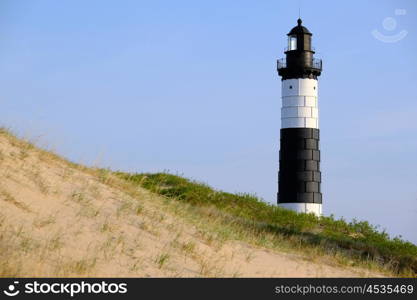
point(357, 240)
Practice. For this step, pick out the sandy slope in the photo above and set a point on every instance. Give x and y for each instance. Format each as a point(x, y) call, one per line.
point(57, 219)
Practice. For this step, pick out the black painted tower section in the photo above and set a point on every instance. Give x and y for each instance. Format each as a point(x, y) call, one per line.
point(299, 174)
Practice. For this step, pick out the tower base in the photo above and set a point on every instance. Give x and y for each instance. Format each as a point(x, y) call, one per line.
point(306, 208)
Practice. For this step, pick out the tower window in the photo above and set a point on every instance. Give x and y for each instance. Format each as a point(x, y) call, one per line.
point(292, 42)
point(314, 87)
point(290, 87)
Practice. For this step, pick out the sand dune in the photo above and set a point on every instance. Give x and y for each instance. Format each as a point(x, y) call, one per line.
point(61, 219)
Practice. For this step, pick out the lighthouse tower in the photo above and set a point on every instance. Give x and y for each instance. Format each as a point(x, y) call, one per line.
point(299, 174)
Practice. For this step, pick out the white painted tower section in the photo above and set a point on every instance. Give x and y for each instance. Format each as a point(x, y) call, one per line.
point(299, 103)
point(300, 110)
point(307, 208)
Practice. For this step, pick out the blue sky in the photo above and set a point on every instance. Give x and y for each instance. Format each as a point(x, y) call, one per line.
point(191, 87)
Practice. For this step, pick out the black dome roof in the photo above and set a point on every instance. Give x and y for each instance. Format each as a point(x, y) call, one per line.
point(299, 29)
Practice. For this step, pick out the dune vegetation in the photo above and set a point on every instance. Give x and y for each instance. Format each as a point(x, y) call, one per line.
point(248, 218)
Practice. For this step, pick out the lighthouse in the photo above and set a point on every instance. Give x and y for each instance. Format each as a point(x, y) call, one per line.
point(299, 176)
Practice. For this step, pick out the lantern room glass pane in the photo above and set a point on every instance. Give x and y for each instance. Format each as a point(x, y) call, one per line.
point(292, 42)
